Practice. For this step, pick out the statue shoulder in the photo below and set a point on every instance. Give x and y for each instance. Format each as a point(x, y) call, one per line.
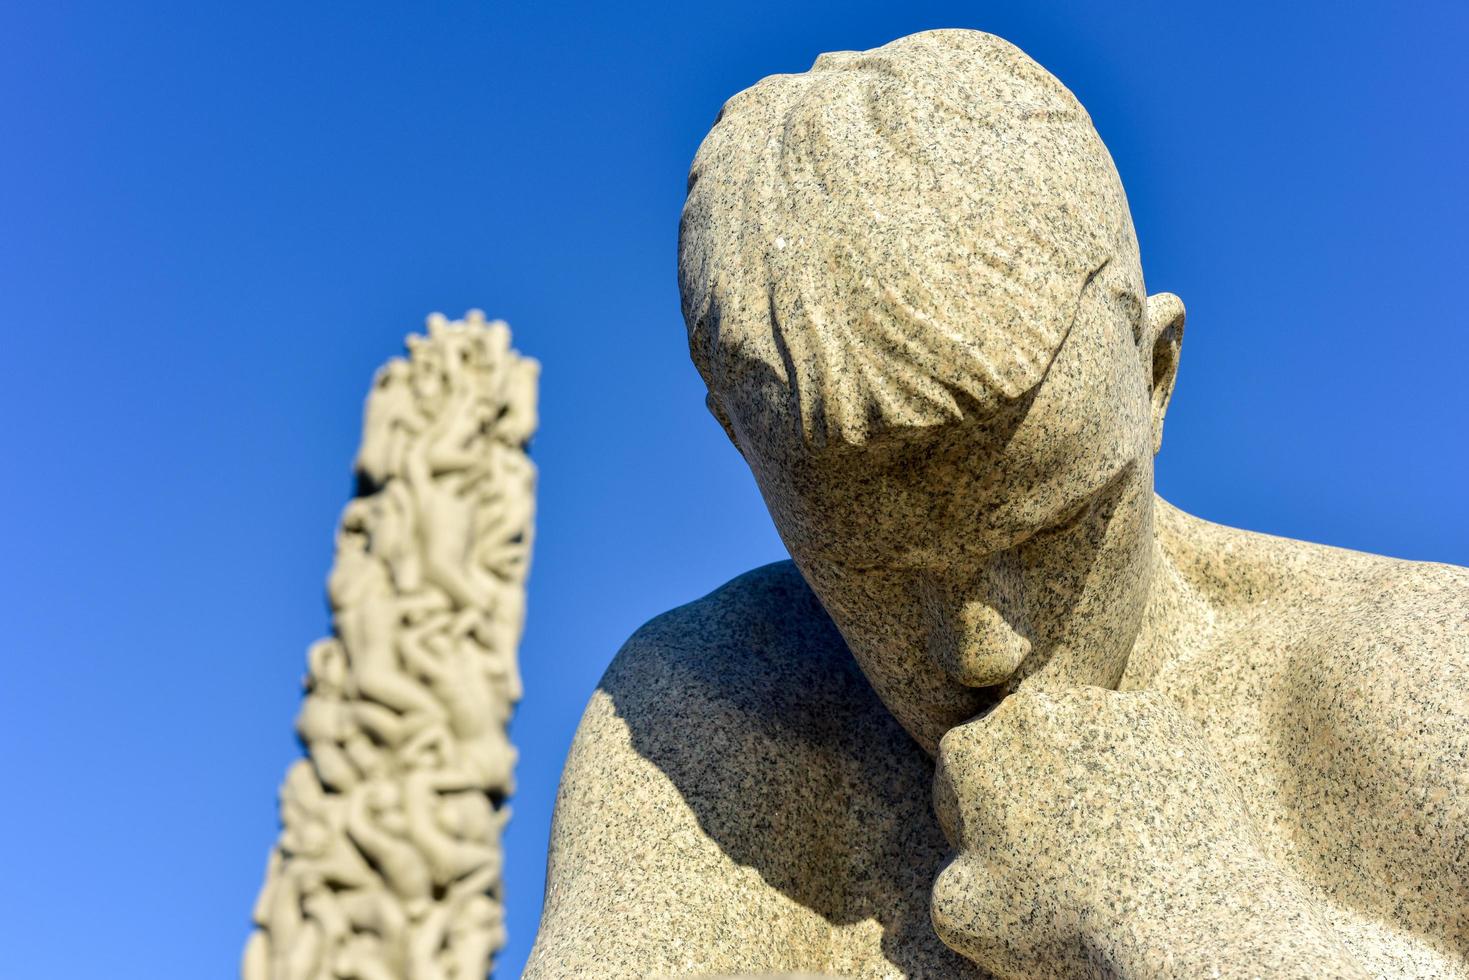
point(1239, 571)
point(752, 680)
point(731, 788)
point(1415, 612)
point(748, 640)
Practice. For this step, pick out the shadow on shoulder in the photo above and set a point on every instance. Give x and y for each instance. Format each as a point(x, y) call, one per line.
point(749, 702)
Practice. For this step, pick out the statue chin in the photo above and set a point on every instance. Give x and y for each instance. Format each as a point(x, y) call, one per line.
point(988, 654)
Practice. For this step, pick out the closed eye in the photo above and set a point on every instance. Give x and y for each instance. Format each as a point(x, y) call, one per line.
point(1106, 495)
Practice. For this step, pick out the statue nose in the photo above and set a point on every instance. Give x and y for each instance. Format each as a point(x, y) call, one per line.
point(977, 631)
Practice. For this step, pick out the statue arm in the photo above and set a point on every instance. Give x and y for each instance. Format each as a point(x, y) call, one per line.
point(1094, 828)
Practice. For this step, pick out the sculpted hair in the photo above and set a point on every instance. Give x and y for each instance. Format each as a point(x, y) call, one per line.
point(891, 240)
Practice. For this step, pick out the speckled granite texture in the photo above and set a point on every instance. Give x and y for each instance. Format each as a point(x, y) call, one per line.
point(738, 801)
point(1165, 748)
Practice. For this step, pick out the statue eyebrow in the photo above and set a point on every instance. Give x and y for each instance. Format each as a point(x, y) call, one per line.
point(1072, 515)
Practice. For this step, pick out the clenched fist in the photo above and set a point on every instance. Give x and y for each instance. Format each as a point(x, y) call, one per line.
point(1097, 836)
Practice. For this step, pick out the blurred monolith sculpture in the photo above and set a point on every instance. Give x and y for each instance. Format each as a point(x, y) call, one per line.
point(388, 863)
point(1006, 712)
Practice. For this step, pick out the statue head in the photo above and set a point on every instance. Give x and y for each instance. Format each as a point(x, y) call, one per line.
point(912, 286)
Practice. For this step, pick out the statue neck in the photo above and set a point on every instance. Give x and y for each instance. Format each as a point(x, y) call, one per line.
point(1178, 619)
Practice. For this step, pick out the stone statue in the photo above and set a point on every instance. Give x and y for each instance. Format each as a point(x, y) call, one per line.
point(388, 864)
point(1163, 748)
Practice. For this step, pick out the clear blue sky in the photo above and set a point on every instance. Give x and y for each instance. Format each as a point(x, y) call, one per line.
point(216, 220)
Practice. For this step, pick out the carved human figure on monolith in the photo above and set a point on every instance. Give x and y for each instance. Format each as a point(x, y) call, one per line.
point(389, 859)
point(1164, 747)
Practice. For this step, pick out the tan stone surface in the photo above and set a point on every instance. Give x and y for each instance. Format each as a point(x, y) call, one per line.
point(1167, 748)
point(389, 860)
point(738, 801)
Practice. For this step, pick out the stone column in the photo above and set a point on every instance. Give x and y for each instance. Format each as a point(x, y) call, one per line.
point(388, 862)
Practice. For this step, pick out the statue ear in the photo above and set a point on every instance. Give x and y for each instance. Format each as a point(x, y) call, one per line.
point(1162, 340)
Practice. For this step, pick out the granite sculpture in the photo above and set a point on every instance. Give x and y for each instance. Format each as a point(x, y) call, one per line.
point(388, 863)
point(1006, 712)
